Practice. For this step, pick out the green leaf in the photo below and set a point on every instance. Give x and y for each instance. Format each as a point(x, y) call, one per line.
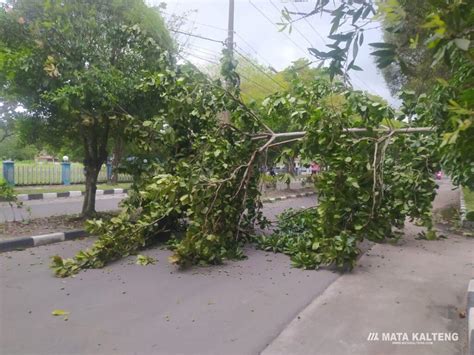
point(319, 54)
point(356, 67)
point(59, 312)
point(462, 43)
point(382, 45)
point(383, 53)
point(357, 14)
point(355, 184)
point(145, 260)
point(384, 63)
point(335, 23)
point(355, 49)
point(342, 37)
point(367, 11)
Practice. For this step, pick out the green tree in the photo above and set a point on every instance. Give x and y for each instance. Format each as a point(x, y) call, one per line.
point(428, 49)
point(13, 148)
point(75, 66)
point(418, 74)
point(7, 120)
point(257, 81)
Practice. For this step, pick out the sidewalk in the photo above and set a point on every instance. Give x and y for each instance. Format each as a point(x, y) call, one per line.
point(417, 286)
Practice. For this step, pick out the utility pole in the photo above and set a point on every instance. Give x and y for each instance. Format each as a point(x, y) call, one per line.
point(230, 29)
point(225, 116)
point(230, 38)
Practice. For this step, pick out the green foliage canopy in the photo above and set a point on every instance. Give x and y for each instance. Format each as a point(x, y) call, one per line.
point(75, 67)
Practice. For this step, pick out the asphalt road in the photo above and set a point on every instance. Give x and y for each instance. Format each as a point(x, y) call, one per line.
point(55, 207)
point(236, 308)
point(71, 205)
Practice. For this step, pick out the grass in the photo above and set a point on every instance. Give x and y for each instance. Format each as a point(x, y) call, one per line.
point(468, 198)
point(469, 201)
point(64, 188)
point(29, 173)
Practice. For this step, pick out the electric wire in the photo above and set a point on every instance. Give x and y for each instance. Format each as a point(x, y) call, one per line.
point(296, 28)
point(198, 36)
point(269, 20)
point(237, 34)
point(259, 69)
point(309, 23)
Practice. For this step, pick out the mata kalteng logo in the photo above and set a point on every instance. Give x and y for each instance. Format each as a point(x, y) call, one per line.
point(425, 338)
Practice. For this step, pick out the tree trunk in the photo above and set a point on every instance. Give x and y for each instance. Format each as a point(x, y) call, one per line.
point(88, 207)
point(95, 148)
point(118, 154)
point(291, 166)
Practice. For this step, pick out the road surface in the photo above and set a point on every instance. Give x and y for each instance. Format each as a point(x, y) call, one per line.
point(414, 288)
point(71, 205)
point(56, 207)
point(237, 308)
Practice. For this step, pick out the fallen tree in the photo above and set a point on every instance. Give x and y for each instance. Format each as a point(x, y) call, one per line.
point(373, 179)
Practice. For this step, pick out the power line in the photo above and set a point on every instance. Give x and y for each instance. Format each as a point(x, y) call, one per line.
point(253, 50)
point(204, 50)
point(260, 69)
point(201, 58)
point(236, 33)
point(190, 30)
point(256, 83)
point(200, 71)
point(296, 28)
point(223, 42)
point(243, 57)
point(200, 23)
point(197, 36)
point(324, 41)
point(309, 23)
point(207, 51)
point(269, 20)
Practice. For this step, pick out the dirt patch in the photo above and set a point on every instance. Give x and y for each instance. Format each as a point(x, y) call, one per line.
point(70, 222)
point(46, 225)
point(40, 226)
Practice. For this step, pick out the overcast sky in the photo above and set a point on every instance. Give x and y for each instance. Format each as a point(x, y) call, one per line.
point(258, 36)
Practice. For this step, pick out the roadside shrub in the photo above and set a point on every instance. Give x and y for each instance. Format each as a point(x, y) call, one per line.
point(470, 216)
point(7, 193)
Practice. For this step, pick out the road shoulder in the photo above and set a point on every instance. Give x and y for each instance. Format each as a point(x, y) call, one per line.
point(417, 286)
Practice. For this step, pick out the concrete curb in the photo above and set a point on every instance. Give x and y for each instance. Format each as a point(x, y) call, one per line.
point(470, 316)
point(463, 211)
point(37, 240)
point(281, 198)
point(66, 194)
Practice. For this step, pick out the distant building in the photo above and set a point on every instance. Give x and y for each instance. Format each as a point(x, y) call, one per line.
point(45, 158)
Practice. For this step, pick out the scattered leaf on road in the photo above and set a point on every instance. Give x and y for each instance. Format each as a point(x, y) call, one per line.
point(145, 260)
point(60, 312)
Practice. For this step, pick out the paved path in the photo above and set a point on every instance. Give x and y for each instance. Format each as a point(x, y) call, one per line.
point(55, 207)
point(415, 286)
point(237, 308)
point(73, 205)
